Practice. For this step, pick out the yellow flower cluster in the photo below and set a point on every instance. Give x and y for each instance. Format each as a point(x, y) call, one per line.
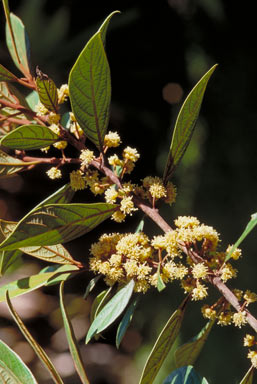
point(112, 139)
point(63, 93)
point(152, 188)
point(249, 341)
point(54, 173)
point(139, 257)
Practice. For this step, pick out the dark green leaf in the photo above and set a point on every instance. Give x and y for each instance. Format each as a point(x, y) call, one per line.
point(111, 311)
point(47, 92)
point(7, 259)
point(73, 345)
point(185, 375)
point(63, 195)
point(252, 223)
point(57, 223)
point(126, 320)
point(18, 43)
point(52, 253)
point(91, 285)
point(90, 87)
point(162, 347)
point(189, 352)
point(28, 284)
point(33, 343)
point(185, 124)
point(6, 75)
point(248, 378)
point(29, 137)
point(12, 368)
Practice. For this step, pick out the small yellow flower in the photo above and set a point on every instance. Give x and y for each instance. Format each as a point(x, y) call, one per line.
point(199, 271)
point(54, 173)
point(225, 318)
point(118, 216)
point(54, 128)
point(63, 93)
point(199, 292)
point(86, 156)
point(253, 356)
point(208, 312)
point(77, 181)
point(115, 161)
point(228, 272)
point(249, 340)
point(40, 109)
point(131, 154)
point(112, 139)
point(235, 254)
point(186, 222)
point(239, 319)
point(60, 144)
point(157, 191)
point(127, 205)
point(76, 130)
point(141, 286)
point(250, 297)
point(54, 118)
point(111, 195)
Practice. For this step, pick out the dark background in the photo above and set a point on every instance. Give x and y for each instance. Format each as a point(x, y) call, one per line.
point(149, 45)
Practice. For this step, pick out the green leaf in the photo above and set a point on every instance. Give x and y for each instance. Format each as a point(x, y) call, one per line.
point(6, 75)
point(47, 91)
point(111, 311)
point(91, 285)
point(28, 284)
point(57, 223)
point(162, 346)
point(29, 137)
point(52, 253)
point(185, 375)
point(12, 368)
point(33, 343)
point(140, 226)
point(189, 352)
point(18, 43)
point(248, 378)
point(126, 320)
point(73, 345)
point(99, 303)
point(160, 283)
point(90, 87)
point(185, 124)
point(9, 165)
point(62, 196)
point(7, 259)
point(252, 223)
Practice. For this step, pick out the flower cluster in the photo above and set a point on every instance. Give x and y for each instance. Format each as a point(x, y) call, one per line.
point(121, 257)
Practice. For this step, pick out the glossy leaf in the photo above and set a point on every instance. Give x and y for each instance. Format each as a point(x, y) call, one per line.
point(57, 223)
point(51, 253)
point(33, 343)
point(185, 124)
point(90, 87)
point(12, 368)
point(126, 320)
point(91, 285)
point(9, 165)
point(6, 75)
point(188, 353)
point(28, 284)
point(63, 195)
point(185, 375)
point(29, 137)
point(250, 226)
point(111, 311)
point(18, 43)
point(47, 92)
point(162, 347)
point(248, 378)
point(73, 344)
